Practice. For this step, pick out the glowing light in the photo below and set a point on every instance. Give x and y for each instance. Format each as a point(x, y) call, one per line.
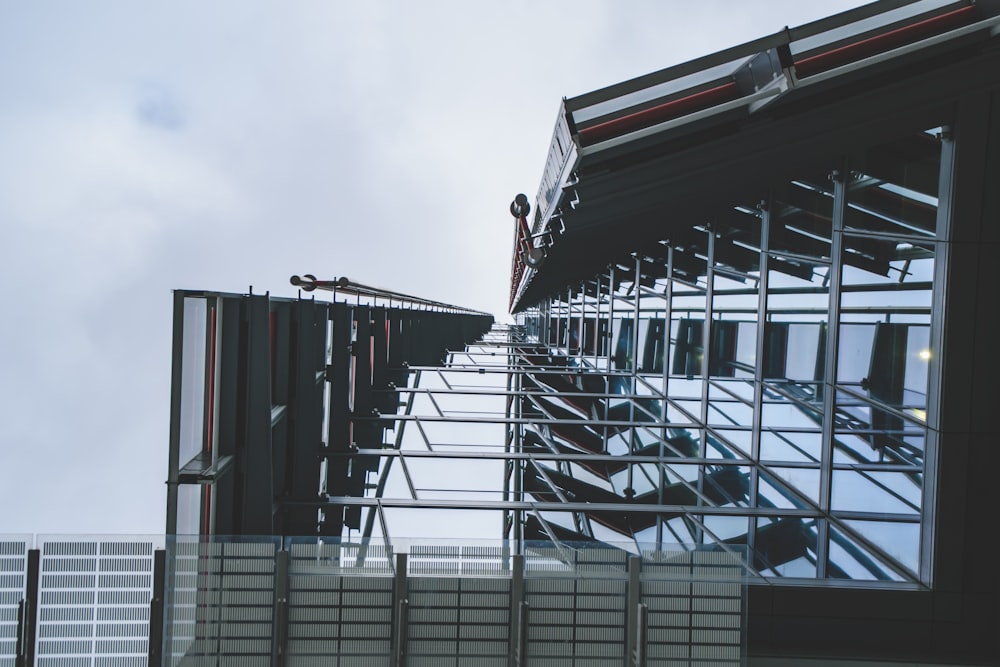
point(925, 355)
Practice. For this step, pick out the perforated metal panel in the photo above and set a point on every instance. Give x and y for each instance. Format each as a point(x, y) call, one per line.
point(696, 611)
point(220, 602)
point(458, 621)
point(577, 602)
point(13, 564)
point(93, 607)
point(455, 603)
point(340, 605)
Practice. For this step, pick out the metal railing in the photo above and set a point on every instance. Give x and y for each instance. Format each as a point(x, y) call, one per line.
point(179, 600)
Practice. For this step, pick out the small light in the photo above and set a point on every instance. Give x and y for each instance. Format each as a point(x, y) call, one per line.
point(925, 355)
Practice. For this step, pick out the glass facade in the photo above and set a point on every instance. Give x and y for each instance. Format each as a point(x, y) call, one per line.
point(746, 406)
point(772, 361)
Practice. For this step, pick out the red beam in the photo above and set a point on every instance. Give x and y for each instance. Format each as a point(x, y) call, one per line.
point(660, 113)
point(886, 41)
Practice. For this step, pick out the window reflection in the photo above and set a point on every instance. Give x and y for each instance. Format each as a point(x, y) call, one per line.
point(731, 320)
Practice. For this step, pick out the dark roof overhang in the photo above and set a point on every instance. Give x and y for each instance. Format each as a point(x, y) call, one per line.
point(606, 195)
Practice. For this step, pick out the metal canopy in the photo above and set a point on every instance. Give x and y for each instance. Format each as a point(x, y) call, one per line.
point(644, 178)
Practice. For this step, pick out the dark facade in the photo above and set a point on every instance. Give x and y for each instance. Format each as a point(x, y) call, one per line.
point(273, 397)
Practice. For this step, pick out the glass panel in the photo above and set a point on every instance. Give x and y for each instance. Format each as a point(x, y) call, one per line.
point(624, 356)
point(804, 481)
point(728, 527)
point(851, 560)
point(884, 336)
point(785, 548)
point(652, 336)
point(727, 485)
point(790, 446)
point(774, 492)
point(801, 222)
point(730, 443)
point(791, 406)
point(734, 329)
point(728, 403)
point(899, 540)
point(895, 188)
point(189, 498)
point(194, 374)
point(795, 341)
point(875, 491)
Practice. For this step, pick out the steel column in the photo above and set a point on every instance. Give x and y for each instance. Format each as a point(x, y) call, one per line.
point(279, 632)
point(156, 608)
point(830, 368)
point(28, 613)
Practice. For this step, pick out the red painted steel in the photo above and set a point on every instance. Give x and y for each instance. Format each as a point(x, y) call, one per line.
point(827, 60)
point(659, 113)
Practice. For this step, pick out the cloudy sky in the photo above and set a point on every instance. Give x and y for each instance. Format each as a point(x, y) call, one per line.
point(218, 145)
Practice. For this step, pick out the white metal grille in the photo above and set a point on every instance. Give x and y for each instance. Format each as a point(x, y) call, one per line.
point(340, 605)
point(94, 596)
point(221, 603)
point(577, 602)
point(13, 564)
point(696, 611)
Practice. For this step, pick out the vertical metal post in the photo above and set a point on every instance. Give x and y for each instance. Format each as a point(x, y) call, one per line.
point(401, 612)
point(706, 339)
point(608, 351)
point(569, 321)
point(642, 623)
point(518, 609)
point(521, 659)
point(560, 311)
point(611, 321)
point(518, 464)
point(830, 372)
point(156, 616)
point(547, 339)
point(28, 613)
point(597, 321)
point(706, 361)
point(402, 635)
point(758, 373)
point(176, 377)
point(583, 316)
point(635, 323)
point(632, 597)
point(668, 314)
point(507, 521)
point(279, 642)
point(634, 383)
point(945, 270)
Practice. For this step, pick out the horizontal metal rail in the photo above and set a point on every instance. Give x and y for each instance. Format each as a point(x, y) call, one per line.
point(574, 506)
point(610, 458)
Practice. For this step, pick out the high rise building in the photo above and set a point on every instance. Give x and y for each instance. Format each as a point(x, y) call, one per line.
point(755, 303)
point(743, 415)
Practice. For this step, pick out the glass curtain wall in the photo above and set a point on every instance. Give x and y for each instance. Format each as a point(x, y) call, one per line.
point(771, 365)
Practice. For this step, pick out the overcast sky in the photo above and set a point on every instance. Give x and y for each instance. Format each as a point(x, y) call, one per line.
point(217, 145)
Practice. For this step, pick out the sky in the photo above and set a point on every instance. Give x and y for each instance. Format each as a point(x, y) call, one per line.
point(146, 147)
